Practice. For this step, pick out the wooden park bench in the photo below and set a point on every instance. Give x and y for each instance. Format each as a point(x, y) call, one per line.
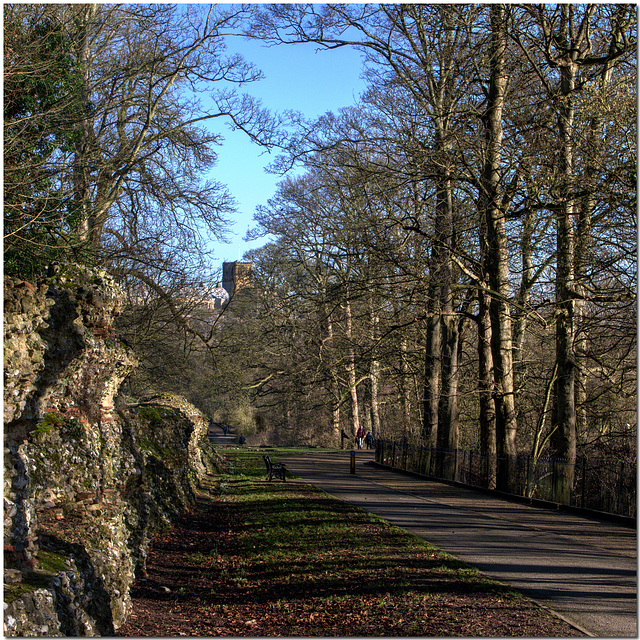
point(276, 469)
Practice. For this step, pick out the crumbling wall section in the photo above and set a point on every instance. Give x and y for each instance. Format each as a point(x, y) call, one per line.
point(88, 478)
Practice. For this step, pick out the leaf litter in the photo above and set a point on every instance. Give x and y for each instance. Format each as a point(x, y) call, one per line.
point(285, 560)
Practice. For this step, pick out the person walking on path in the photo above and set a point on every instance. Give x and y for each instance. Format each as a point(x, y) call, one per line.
point(360, 437)
point(369, 439)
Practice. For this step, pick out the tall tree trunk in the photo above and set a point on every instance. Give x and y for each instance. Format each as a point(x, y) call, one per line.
point(438, 428)
point(486, 377)
point(580, 341)
point(351, 370)
point(432, 369)
point(335, 420)
point(523, 296)
point(498, 256)
point(83, 18)
point(487, 407)
point(448, 406)
point(406, 387)
point(374, 368)
point(569, 44)
point(583, 242)
point(375, 397)
point(326, 324)
point(564, 437)
point(366, 404)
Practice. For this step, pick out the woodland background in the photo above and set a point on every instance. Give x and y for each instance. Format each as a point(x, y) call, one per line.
point(452, 261)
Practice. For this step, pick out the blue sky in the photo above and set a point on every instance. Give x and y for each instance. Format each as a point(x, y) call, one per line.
point(297, 77)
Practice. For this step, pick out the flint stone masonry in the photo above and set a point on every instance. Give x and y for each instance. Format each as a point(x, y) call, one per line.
point(88, 477)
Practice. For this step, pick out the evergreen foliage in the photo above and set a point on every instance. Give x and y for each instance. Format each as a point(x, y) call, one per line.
point(42, 106)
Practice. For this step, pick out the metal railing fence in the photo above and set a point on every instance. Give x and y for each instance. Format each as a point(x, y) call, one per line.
point(600, 484)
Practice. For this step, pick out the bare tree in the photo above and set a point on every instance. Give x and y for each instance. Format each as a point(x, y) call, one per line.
point(143, 144)
point(566, 44)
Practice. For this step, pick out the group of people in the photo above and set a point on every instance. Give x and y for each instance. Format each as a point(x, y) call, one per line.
point(364, 437)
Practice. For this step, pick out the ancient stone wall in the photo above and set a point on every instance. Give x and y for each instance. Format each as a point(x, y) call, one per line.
point(88, 477)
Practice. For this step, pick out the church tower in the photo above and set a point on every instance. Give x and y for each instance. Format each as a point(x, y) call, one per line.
point(237, 276)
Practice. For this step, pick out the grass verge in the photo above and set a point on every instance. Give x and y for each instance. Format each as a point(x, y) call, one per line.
point(284, 559)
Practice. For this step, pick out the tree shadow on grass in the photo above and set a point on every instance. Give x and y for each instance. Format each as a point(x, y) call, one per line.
point(285, 546)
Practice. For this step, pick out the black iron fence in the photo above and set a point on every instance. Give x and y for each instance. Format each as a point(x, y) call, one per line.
point(600, 484)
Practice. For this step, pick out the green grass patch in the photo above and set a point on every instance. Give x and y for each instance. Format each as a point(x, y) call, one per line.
point(297, 539)
point(51, 562)
point(285, 559)
point(33, 582)
point(49, 422)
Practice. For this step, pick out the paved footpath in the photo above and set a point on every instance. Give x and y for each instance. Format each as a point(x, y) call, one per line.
point(583, 569)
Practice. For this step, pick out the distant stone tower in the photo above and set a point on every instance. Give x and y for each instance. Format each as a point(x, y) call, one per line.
point(237, 276)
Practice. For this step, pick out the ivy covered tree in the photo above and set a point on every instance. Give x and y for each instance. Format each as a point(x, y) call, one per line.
point(42, 106)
